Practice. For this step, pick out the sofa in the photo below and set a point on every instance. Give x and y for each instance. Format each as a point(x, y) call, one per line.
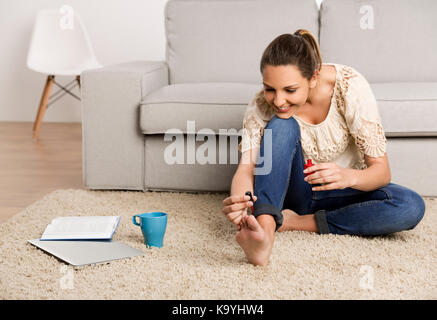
point(175, 125)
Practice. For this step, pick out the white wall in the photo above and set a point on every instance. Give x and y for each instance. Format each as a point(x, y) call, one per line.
point(120, 31)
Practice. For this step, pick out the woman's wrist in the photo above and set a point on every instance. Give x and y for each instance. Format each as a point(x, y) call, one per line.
point(368, 179)
point(354, 177)
point(241, 182)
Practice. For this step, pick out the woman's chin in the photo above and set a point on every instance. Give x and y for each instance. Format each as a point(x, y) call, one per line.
point(284, 115)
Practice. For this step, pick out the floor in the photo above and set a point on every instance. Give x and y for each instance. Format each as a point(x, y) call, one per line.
point(31, 169)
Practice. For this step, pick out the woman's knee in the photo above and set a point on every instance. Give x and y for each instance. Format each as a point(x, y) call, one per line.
point(416, 206)
point(411, 206)
point(284, 127)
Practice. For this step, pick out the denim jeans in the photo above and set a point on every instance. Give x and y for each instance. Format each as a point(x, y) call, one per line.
point(386, 210)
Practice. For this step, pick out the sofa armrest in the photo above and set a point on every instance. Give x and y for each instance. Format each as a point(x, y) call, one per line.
point(113, 145)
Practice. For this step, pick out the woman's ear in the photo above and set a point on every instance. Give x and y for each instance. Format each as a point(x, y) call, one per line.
point(314, 79)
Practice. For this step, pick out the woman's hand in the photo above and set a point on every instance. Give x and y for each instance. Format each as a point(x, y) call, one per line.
point(235, 207)
point(330, 174)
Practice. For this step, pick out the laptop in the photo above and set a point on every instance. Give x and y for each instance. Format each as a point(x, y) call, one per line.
point(86, 252)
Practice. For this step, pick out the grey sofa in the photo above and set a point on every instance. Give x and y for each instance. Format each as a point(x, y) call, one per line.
point(211, 72)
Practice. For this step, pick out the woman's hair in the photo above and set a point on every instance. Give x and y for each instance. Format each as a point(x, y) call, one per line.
point(299, 49)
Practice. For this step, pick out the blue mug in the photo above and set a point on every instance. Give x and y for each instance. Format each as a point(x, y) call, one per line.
point(153, 225)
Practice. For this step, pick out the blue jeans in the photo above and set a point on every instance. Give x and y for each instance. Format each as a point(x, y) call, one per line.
point(386, 210)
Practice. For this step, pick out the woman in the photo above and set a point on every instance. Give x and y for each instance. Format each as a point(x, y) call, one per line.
point(326, 113)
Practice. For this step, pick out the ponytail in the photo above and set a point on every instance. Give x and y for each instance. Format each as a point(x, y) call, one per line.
point(299, 49)
point(313, 45)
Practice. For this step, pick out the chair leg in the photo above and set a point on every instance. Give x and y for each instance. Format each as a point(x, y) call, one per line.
point(43, 105)
point(78, 80)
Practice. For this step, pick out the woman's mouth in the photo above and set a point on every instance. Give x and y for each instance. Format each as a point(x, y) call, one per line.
point(283, 109)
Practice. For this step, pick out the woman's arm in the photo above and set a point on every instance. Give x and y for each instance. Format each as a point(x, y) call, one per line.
point(243, 178)
point(235, 206)
point(360, 111)
point(376, 175)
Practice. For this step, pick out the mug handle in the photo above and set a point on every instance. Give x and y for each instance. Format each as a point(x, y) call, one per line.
point(134, 220)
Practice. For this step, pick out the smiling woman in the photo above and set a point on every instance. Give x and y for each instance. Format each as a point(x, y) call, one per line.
point(290, 80)
point(325, 112)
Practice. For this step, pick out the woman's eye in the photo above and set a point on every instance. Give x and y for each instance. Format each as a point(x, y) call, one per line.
point(289, 91)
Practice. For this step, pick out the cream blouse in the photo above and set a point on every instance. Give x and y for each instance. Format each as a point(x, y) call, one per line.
point(351, 129)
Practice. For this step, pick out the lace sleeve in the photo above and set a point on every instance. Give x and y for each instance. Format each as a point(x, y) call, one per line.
point(258, 114)
point(362, 115)
point(252, 131)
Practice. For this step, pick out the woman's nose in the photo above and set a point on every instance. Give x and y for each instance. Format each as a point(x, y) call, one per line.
point(279, 100)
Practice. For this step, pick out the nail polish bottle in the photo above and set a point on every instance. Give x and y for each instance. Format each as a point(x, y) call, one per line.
point(307, 165)
point(248, 193)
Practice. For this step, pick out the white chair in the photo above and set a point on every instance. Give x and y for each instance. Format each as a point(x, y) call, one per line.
point(59, 46)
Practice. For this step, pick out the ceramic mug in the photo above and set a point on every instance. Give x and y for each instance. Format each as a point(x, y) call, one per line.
point(153, 225)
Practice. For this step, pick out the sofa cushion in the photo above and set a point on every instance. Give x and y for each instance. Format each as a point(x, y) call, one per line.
point(211, 105)
point(223, 41)
point(386, 40)
point(407, 109)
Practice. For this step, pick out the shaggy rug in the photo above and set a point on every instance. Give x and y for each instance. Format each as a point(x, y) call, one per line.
point(200, 258)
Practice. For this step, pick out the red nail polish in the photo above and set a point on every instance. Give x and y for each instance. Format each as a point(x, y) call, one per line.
point(307, 165)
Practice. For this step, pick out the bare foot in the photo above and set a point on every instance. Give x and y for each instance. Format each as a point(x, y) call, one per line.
point(256, 243)
point(293, 221)
point(289, 220)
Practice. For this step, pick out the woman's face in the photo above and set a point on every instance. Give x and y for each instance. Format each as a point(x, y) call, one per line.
point(285, 89)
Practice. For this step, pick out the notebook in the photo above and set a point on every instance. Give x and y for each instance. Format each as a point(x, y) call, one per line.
point(81, 228)
point(85, 252)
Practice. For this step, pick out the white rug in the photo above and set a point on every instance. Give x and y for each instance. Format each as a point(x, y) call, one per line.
point(201, 259)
